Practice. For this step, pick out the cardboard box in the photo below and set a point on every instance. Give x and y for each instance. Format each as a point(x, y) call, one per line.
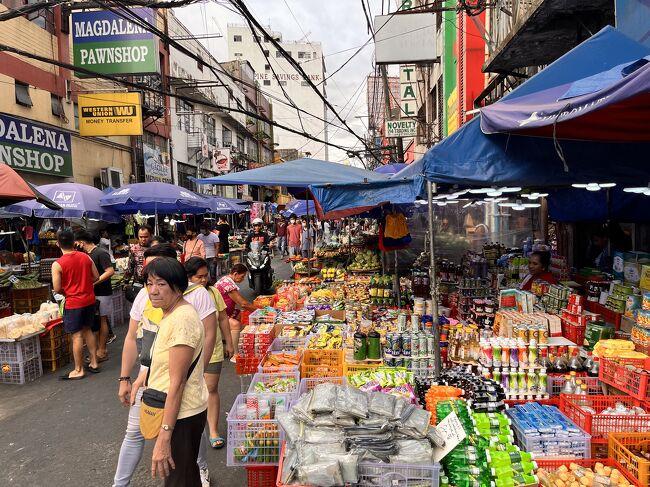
point(336, 314)
point(644, 282)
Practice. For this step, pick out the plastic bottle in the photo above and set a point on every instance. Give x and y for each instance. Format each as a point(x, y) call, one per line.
point(568, 387)
point(595, 368)
point(575, 364)
point(501, 458)
point(542, 381)
point(588, 362)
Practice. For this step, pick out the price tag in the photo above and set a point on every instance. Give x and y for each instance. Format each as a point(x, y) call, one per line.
point(13, 279)
point(451, 429)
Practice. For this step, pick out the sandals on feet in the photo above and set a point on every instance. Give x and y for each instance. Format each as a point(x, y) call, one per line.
point(217, 442)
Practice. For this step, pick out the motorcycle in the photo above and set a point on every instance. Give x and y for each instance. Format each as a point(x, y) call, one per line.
point(260, 272)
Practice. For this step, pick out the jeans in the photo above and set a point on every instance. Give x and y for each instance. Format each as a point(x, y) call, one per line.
point(294, 251)
point(202, 459)
point(212, 268)
point(132, 446)
point(282, 244)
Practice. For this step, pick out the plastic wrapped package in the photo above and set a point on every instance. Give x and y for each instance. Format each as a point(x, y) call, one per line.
point(309, 452)
point(289, 465)
point(415, 422)
point(352, 401)
point(321, 474)
point(324, 398)
point(323, 435)
point(292, 428)
point(413, 451)
point(300, 408)
point(324, 421)
point(348, 463)
point(343, 420)
point(435, 438)
point(399, 408)
point(382, 404)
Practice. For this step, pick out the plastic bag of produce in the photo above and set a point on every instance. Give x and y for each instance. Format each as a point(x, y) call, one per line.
point(309, 452)
point(415, 422)
point(322, 474)
point(324, 398)
point(289, 465)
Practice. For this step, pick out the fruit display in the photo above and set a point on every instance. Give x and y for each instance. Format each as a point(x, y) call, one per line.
point(332, 273)
point(302, 268)
point(329, 338)
point(577, 476)
point(366, 260)
point(357, 292)
point(616, 349)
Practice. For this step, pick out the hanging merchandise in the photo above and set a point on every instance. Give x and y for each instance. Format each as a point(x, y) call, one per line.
point(395, 226)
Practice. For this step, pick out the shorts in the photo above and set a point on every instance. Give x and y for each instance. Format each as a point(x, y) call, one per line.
point(74, 320)
point(105, 305)
point(213, 368)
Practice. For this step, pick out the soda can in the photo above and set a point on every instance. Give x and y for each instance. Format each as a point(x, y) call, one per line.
point(389, 361)
point(431, 363)
point(534, 333)
point(415, 345)
point(397, 344)
point(408, 363)
point(401, 322)
point(406, 344)
point(423, 346)
point(399, 361)
point(388, 348)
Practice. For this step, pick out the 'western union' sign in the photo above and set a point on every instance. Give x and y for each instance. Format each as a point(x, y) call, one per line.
point(110, 114)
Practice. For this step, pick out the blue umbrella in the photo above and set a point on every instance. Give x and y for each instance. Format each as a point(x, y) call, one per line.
point(76, 201)
point(155, 198)
point(225, 206)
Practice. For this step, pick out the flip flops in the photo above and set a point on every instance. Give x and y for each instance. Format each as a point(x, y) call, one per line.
point(94, 370)
point(67, 377)
point(217, 442)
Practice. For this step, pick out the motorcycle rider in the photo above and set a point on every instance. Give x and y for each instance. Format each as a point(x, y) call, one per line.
point(258, 234)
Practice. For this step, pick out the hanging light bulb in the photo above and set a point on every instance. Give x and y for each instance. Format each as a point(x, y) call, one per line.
point(593, 186)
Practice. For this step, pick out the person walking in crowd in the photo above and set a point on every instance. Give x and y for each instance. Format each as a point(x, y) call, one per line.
point(223, 232)
point(105, 243)
point(294, 236)
point(73, 276)
point(281, 232)
point(211, 245)
point(143, 324)
point(176, 369)
point(197, 273)
point(306, 238)
point(229, 289)
point(135, 266)
point(103, 288)
point(193, 246)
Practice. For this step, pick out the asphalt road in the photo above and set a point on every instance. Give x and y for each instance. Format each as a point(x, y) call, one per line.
point(55, 433)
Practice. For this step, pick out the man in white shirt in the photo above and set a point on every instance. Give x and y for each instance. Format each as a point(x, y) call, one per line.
point(130, 395)
point(211, 245)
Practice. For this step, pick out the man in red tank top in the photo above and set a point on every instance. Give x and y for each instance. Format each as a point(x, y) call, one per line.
point(73, 275)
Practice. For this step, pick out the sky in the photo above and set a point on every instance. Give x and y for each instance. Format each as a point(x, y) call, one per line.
point(338, 24)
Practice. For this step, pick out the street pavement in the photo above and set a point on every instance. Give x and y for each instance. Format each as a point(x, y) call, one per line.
point(55, 433)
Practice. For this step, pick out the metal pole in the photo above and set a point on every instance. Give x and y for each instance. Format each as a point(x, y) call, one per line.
point(432, 280)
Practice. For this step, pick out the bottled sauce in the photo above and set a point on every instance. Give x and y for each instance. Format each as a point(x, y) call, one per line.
point(560, 364)
point(588, 362)
point(575, 364)
point(594, 369)
point(568, 387)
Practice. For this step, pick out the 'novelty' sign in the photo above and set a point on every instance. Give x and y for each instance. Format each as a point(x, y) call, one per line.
point(107, 43)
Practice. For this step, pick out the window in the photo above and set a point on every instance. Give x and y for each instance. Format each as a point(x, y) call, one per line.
point(238, 54)
point(256, 38)
point(282, 83)
point(314, 54)
point(22, 94)
point(57, 106)
point(44, 18)
point(240, 143)
point(199, 63)
point(185, 116)
point(210, 129)
point(267, 82)
point(236, 38)
point(226, 136)
point(304, 83)
point(266, 52)
point(278, 54)
point(289, 53)
point(301, 55)
point(76, 116)
point(267, 67)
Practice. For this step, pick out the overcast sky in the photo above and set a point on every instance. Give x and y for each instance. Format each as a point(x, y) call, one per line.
point(337, 24)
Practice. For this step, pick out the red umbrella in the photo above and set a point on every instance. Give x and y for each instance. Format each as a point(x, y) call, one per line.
point(14, 188)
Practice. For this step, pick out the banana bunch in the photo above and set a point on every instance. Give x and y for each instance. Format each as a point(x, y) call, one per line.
point(327, 340)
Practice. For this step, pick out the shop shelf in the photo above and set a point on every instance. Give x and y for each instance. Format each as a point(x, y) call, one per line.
point(631, 381)
point(386, 474)
point(57, 363)
point(556, 383)
point(252, 442)
point(553, 465)
point(269, 369)
point(307, 384)
point(262, 476)
point(20, 350)
point(620, 446)
point(21, 372)
point(247, 364)
point(269, 378)
point(600, 425)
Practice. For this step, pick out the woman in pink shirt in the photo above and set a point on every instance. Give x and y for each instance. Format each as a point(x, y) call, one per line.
point(193, 246)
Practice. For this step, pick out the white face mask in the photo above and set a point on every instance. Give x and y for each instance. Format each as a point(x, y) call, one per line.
point(293, 222)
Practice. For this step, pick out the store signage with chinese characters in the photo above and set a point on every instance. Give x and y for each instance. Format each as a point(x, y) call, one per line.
point(401, 128)
point(105, 114)
point(33, 147)
point(156, 167)
point(107, 43)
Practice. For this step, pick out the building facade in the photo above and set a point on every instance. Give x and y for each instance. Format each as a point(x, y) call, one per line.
point(276, 77)
point(39, 134)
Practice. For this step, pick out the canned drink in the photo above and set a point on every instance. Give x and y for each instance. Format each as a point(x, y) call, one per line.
point(388, 348)
point(543, 335)
point(430, 345)
point(397, 344)
point(415, 345)
point(431, 363)
point(415, 323)
point(408, 363)
point(423, 346)
point(389, 361)
point(535, 333)
point(399, 361)
point(401, 322)
point(406, 344)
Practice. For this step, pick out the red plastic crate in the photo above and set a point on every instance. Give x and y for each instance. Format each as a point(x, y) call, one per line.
point(552, 465)
point(606, 314)
point(621, 377)
point(600, 425)
point(262, 476)
point(247, 364)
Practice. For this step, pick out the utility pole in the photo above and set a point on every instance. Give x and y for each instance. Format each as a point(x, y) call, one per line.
point(398, 140)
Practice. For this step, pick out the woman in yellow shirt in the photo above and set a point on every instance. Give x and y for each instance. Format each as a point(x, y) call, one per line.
point(177, 370)
point(198, 273)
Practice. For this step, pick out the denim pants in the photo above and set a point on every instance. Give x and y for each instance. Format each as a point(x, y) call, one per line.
point(282, 244)
point(133, 447)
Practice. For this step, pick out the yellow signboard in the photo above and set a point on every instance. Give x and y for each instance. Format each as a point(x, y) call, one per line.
point(104, 114)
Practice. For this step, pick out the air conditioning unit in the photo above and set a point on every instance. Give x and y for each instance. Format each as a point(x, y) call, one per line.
point(112, 177)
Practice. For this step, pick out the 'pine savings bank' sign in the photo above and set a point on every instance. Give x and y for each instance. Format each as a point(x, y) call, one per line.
point(107, 43)
point(32, 147)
